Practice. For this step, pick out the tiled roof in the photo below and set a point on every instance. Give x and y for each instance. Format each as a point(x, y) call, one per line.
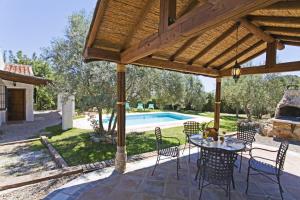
point(19, 69)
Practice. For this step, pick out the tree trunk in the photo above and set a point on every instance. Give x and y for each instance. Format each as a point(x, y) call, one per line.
point(100, 120)
point(247, 113)
point(237, 108)
point(111, 119)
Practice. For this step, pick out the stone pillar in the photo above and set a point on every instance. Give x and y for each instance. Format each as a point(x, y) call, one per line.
point(67, 112)
point(121, 155)
point(217, 104)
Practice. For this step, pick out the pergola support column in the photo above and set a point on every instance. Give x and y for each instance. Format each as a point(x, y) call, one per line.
point(121, 155)
point(217, 104)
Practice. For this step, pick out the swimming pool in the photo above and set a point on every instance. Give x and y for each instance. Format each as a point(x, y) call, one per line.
point(152, 118)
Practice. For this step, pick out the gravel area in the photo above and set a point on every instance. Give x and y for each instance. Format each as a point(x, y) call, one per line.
point(21, 159)
point(35, 191)
point(270, 141)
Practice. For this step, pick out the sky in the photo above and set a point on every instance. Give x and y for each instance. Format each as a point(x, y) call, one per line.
point(30, 25)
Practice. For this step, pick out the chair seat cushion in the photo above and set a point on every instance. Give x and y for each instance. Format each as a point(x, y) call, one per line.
point(171, 151)
point(263, 167)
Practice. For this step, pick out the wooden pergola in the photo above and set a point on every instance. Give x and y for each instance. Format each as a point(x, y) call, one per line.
point(190, 36)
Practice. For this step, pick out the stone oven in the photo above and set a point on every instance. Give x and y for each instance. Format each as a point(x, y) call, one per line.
point(286, 123)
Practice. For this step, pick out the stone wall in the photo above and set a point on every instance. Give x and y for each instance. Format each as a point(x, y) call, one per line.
point(282, 129)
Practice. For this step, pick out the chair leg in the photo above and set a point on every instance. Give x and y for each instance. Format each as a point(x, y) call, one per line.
point(280, 187)
point(189, 152)
point(229, 191)
point(248, 179)
point(233, 183)
point(201, 188)
point(241, 162)
point(186, 140)
point(157, 162)
point(178, 166)
point(197, 174)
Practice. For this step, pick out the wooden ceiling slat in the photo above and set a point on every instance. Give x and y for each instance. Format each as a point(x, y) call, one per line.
point(138, 24)
point(231, 48)
point(192, 4)
point(224, 65)
point(213, 44)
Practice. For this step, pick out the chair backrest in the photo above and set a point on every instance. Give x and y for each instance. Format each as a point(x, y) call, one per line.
point(158, 136)
point(280, 159)
point(191, 128)
point(218, 165)
point(246, 133)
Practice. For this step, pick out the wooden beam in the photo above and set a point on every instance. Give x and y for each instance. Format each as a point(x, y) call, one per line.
point(231, 48)
point(217, 104)
point(167, 14)
point(287, 38)
point(284, 5)
point(198, 20)
point(271, 54)
point(263, 69)
point(96, 22)
point(257, 44)
point(176, 66)
point(260, 34)
point(181, 49)
point(213, 44)
point(138, 24)
point(292, 43)
point(92, 54)
point(276, 20)
point(279, 30)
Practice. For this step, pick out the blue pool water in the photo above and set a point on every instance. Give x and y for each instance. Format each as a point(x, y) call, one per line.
point(150, 118)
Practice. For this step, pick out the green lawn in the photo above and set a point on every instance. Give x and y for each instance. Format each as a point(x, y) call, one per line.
point(77, 148)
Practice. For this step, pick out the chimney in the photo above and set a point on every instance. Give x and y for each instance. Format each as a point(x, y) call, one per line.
point(2, 65)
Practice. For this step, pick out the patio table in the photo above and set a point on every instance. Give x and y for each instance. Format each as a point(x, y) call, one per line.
point(229, 144)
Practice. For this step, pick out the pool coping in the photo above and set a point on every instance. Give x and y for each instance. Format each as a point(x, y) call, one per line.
point(138, 128)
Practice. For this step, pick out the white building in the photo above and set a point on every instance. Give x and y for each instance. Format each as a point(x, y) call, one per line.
point(17, 92)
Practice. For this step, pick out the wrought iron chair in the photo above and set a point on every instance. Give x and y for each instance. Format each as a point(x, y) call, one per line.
point(246, 133)
point(162, 150)
point(266, 169)
point(190, 128)
point(216, 167)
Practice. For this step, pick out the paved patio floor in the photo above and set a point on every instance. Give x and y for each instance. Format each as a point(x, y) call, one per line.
point(137, 183)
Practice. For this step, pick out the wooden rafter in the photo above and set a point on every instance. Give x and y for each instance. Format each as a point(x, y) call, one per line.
point(285, 30)
point(93, 54)
point(287, 38)
point(213, 44)
point(263, 69)
point(181, 49)
point(200, 19)
point(259, 33)
point(276, 20)
point(192, 4)
point(284, 5)
point(167, 14)
point(235, 45)
point(253, 56)
point(138, 24)
point(292, 43)
point(224, 65)
point(271, 54)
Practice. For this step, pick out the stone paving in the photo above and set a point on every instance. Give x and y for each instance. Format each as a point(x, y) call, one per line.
point(137, 182)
